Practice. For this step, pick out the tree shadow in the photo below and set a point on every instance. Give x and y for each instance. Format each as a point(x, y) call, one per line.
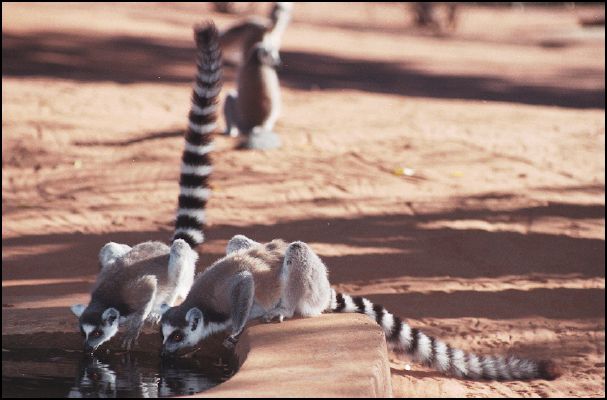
point(332, 72)
point(90, 58)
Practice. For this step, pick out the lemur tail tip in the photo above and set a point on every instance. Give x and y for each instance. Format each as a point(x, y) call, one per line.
point(549, 370)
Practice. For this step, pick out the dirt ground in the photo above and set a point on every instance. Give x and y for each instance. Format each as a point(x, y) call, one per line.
point(495, 242)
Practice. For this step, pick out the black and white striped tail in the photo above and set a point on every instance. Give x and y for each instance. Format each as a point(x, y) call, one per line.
point(439, 355)
point(196, 165)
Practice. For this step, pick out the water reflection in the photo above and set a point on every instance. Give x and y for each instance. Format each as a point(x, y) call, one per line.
point(125, 375)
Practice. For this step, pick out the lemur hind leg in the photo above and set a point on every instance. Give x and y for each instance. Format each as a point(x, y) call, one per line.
point(111, 252)
point(261, 138)
point(239, 242)
point(230, 114)
point(304, 283)
point(182, 265)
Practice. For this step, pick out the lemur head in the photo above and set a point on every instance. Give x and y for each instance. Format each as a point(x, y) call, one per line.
point(265, 54)
point(96, 325)
point(181, 332)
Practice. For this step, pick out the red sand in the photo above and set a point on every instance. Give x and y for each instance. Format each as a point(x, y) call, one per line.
point(495, 243)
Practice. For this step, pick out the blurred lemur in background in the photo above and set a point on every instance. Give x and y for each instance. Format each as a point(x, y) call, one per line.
point(252, 110)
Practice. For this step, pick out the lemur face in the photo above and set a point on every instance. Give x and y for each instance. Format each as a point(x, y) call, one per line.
point(181, 336)
point(95, 328)
point(268, 56)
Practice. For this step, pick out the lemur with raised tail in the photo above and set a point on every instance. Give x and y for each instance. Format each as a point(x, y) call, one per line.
point(277, 280)
point(253, 109)
point(135, 281)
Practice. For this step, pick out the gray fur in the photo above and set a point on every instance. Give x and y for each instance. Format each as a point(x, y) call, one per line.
point(138, 282)
point(275, 281)
point(272, 281)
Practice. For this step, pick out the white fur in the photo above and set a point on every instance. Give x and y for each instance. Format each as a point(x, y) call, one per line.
point(441, 358)
point(240, 242)
point(200, 193)
point(350, 306)
point(209, 77)
point(459, 362)
point(87, 328)
point(474, 366)
point(78, 309)
point(405, 336)
point(206, 67)
point(424, 346)
point(207, 94)
point(369, 308)
point(200, 150)
point(201, 170)
point(111, 252)
point(202, 129)
point(182, 265)
point(196, 213)
point(208, 110)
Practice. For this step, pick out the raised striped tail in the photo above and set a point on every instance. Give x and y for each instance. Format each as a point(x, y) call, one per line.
point(434, 353)
point(196, 163)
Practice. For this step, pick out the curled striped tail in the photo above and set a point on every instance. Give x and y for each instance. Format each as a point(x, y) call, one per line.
point(196, 165)
point(434, 353)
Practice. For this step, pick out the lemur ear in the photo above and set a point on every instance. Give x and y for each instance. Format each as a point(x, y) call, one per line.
point(164, 307)
point(78, 309)
point(194, 317)
point(110, 315)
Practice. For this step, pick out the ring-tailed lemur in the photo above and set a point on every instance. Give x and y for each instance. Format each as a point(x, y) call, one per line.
point(277, 280)
point(134, 282)
point(254, 107)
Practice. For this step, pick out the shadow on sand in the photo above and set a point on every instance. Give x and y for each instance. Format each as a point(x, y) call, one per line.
point(90, 58)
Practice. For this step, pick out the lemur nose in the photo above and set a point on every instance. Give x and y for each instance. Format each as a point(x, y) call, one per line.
point(88, 349)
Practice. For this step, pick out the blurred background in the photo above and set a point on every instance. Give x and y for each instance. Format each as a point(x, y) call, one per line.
point(445, 160)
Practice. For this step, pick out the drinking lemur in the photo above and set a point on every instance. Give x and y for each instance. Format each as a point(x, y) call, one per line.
point(277, 280)
point(135, 281)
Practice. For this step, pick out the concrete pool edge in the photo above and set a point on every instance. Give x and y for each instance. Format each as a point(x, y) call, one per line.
point(334, 355)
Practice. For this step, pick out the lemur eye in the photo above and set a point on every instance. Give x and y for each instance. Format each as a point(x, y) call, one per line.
point(96, 333)
point(177, 337)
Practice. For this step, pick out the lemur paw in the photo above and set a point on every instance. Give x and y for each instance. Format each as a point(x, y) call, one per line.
point(179, 246)
point(273, 316)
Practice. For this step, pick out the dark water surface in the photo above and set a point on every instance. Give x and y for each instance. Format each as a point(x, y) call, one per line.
point(71, 374)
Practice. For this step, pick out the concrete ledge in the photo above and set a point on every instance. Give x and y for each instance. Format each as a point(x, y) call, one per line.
point(334, 355)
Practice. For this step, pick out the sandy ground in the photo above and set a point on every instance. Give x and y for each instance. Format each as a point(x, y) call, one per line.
point(495, 243)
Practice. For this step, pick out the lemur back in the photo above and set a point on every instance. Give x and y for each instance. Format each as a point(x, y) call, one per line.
point(212, 287)
point(134, 282)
